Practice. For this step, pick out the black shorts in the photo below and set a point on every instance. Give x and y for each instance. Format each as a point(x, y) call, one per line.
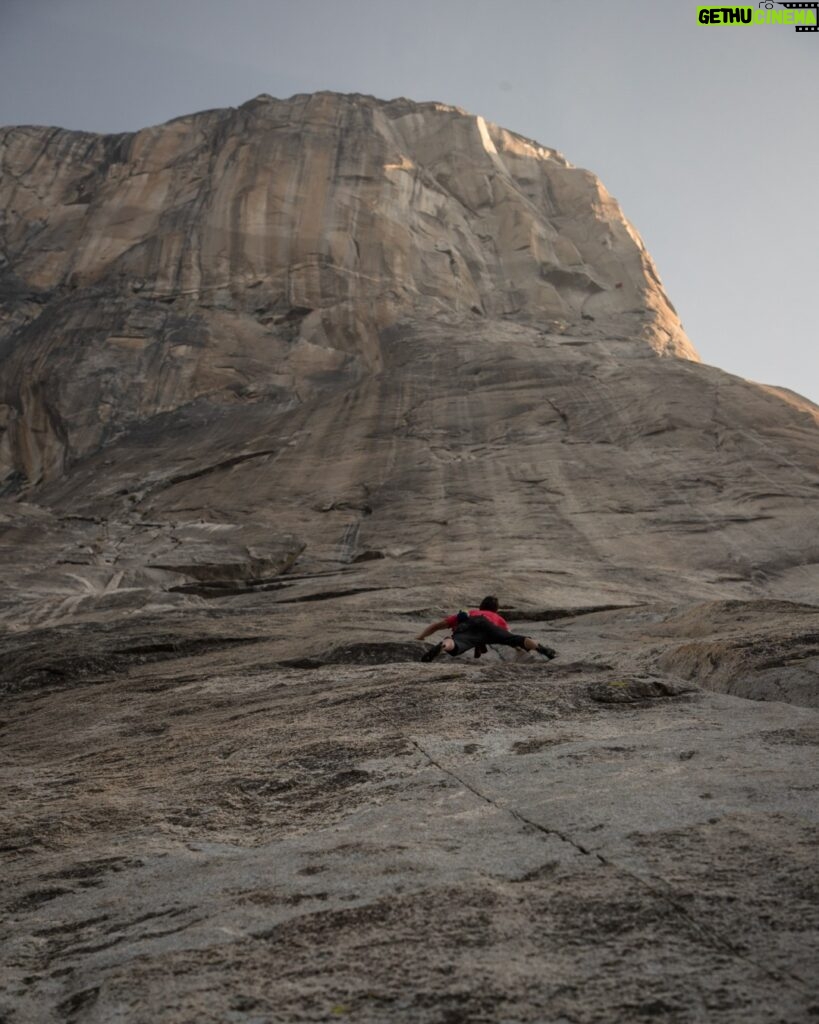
point(479, 632)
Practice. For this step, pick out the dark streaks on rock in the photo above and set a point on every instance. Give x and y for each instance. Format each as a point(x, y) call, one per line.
point(79, 1002)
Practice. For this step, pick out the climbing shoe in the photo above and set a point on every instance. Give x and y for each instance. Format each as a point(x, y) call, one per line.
point(432, 653)
point(547, 652)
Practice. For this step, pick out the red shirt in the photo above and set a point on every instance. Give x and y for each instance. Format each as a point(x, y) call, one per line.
point(498, 620)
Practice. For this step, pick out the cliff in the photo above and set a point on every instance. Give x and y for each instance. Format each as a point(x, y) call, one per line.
point(270, 245)
point(283, 384)
point(364, 330)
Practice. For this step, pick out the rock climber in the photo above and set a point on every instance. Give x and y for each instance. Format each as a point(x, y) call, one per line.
point(476, 629)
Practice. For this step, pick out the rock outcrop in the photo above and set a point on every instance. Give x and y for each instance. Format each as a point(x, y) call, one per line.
point(251, 253)
point(282, 384)
point(368, 332)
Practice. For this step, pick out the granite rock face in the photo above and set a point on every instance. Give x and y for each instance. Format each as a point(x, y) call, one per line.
point(241, 254)
point(210, 838)
point(283, 384)
point(366, 332)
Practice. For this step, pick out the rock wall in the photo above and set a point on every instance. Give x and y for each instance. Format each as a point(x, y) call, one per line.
point(386, 345)
point(269, 246)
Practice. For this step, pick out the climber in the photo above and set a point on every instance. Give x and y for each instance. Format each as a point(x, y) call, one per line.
point(477, 628)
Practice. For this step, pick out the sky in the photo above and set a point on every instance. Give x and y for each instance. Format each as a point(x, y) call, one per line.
point(707, 135)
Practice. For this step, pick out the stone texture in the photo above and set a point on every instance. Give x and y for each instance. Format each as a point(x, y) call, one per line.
point(761, 649)
point(282, 384)
point(248, 253)
point(207, 838)
point(361, 332)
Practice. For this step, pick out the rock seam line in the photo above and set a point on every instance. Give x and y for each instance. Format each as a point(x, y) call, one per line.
point(709, 934)
point(229, 463)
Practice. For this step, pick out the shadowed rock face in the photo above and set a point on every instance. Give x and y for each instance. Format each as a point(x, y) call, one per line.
point(283, 384)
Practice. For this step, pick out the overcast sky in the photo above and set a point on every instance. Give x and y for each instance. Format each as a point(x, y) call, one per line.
point(706, 134)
